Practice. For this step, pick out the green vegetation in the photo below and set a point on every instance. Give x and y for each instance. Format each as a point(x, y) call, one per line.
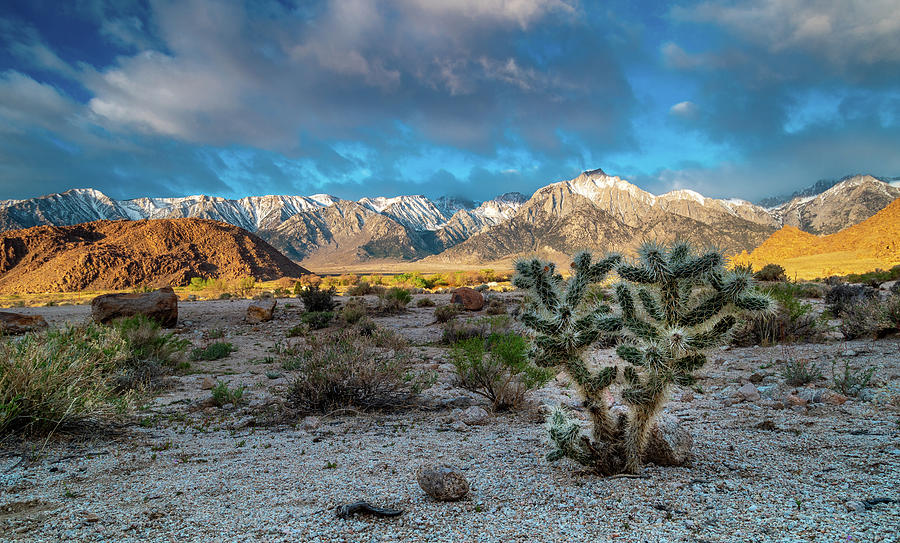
point(213, 351)
point(456, 330)
point(425, 302)
point(222, 394)
point(353, 311)
point(316, 299)
point(316, 320)
point(497, 368)
point(849, 380)
point(687, 306)
point(770, 272)
point(447, 312)
point(393, 300)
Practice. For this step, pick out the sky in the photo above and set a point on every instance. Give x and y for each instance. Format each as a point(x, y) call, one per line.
point(467, 98)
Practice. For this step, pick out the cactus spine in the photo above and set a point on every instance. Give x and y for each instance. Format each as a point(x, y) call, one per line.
point(673, 305)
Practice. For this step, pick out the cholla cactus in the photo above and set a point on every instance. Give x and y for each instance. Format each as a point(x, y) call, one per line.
point(674, 304)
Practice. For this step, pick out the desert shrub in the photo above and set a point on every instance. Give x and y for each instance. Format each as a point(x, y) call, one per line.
point(495, 307)
point(361, 289)
point(456, 330)
point(316, 320)
point(497, 368)
point(298, 330)
point(863, 318)
point(798, 291)
point(674, 306)
point(447, 312)
point(895, 288)
point(798, 371)
point(60, 378)
point(151, 352)
point(316, 299)
point(365, 326)
point(875, 278)
point(393, 300)
point(770, 272)
point(849, 380)
point(777, 328)
point(214, 351)
point(425, 301)
point(222, 394)
point(353, 311)
point(842, 297)
point(343, 369)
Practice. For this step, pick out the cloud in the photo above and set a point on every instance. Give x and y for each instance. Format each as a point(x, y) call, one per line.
point(685, 110)
point(846, 33)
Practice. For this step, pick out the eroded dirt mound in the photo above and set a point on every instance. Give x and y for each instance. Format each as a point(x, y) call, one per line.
point(111, 255)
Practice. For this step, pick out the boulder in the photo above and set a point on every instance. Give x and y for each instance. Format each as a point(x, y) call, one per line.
point(443, 483)
point(669, 443)
point(16, 323)
point(469, 298)
point(261, 310)
point(470, 416)
point(160, 305)
point(748, 393)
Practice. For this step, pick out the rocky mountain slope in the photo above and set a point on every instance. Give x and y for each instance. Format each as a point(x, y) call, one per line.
point(594, 210)
point(107, 255)
point(849, 202)
point(873, 243)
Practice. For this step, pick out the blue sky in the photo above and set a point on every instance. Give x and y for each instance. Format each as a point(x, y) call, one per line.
point(460, 97)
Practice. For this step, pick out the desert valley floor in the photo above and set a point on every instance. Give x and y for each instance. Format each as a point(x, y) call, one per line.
point(182, 470)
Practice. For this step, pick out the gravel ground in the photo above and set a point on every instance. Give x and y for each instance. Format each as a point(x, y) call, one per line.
point(764, 470)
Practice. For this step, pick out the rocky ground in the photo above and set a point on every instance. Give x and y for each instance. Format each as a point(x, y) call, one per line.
point(772, 462)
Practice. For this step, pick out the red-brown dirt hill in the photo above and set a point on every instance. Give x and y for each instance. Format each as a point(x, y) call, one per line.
point(113, 255)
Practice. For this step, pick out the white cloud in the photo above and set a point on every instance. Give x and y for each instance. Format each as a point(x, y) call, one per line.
point(521, 12)
point(686, 110)
point(842, 31)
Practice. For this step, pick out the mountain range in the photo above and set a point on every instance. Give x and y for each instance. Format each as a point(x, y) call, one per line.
point(594, 211)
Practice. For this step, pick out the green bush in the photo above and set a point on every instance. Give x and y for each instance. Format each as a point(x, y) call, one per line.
point(498, 369)
point(213, 351)
point(842, 297)
point(457, 330)
point(353, 311)
point(344, 369)
point(298, 330)
point(317, 300)
point(425, 301)
point(316, 320)
point(799, 371)
point(770, 272)
point(446, 313)
point(361, 289)
point(495, 307)
point(850, 381)
point(222, 394)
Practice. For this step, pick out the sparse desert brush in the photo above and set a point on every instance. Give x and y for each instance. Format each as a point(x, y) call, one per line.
point(343, 369)
point(316, 299)
point(298, 330)
point(850, 380)
point(497, 368)
point(60, 378)
point(871, 317)
point(316, 320)
point(798, 370)
point(222, 394)
point(425, 301)
point(495, 307)
point(842, 297)
point(361, 289)
point(447, 312)
point(457, 330)
point(674, 305)
point(770, 272)
point(353, 311)
point(213, 351)
point(793, 320)
point(393, 300)
point(152, 352)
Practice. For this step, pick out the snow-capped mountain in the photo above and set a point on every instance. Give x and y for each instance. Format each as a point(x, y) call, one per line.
point(593, 210)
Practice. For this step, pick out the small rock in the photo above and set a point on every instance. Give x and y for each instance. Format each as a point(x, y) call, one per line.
point(442, 482)
point(459, 426)
point(833, 398)
point(811, 395)
point(669, 443)
point(208, 383)
point(866, 395)
point(91, 517)
point(687, 396)
point(748, 393)
point(471, 415)
point(833, 335)
point(849, 353)
point(855, 506)
point(310, 423)
point(469, 298)
point(795, 401)
point(261, 310)
point(757, 377)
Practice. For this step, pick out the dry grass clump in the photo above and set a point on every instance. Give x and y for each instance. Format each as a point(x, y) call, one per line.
point(153, 352)
point(457, 330)
point(60, 378)
point(345, 369)
point(425, 302)
point(445, 313)
point(393, 300)
point(353, 311)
